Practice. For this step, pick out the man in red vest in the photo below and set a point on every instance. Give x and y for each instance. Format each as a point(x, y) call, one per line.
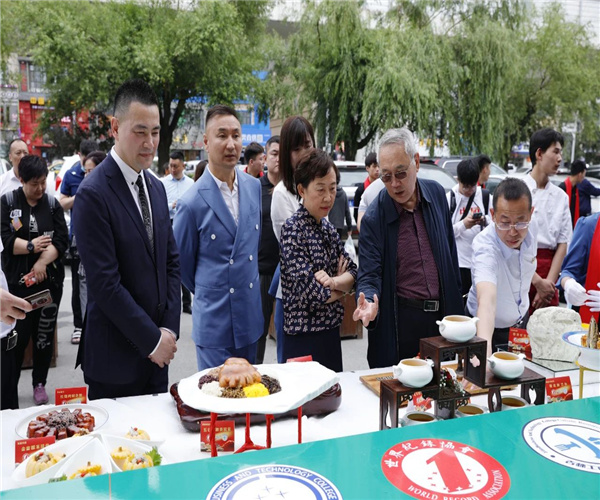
point(579, 190)
point(581, 266)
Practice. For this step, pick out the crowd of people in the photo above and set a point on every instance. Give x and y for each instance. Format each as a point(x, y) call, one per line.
point(235, 248)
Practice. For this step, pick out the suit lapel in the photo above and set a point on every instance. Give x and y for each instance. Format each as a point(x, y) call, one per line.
point(210, 192)
point(117, 183)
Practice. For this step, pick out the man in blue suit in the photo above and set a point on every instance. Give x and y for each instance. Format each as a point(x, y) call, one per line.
point(217, 229)
point(127, 248)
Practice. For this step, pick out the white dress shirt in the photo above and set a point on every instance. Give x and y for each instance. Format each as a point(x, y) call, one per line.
point(551, 212)
point(4, 328)
point(131, 177)
point(175, 189)
point(510, 270)
point(370, 194)
point(463, 236)
point(230, 196)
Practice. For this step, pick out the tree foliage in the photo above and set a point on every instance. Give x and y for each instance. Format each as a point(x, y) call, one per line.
point(479, 75)
point(199, 49)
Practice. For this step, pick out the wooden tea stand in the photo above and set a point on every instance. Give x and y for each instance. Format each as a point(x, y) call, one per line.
point(473, 352)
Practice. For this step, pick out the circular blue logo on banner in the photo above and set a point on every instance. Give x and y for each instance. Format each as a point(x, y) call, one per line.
point(274, 481)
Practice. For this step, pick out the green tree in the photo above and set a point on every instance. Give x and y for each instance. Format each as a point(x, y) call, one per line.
point(199, 49)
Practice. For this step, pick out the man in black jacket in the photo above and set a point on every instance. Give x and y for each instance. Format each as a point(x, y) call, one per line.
point(408, 258)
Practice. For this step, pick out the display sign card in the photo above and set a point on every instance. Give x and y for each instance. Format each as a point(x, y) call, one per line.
point(224, 435)
point(299, 359)
point(70, 395)
point(559, 389)
point(518, 340)
point(26, 447)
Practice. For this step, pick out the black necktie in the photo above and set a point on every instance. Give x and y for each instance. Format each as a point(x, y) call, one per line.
point(145, 210)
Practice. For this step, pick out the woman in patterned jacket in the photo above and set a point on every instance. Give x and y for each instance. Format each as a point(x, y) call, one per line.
point(316, 271)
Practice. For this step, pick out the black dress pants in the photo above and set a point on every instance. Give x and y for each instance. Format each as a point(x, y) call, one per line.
point(413, 325)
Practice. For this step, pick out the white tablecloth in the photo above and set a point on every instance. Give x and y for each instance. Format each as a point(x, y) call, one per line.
point(358, 414)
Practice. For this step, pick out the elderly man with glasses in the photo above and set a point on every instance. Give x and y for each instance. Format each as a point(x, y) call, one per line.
point(408, 276)
point(503, 264)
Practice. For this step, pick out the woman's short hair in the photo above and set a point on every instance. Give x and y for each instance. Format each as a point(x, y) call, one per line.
point(314, 164)
point(294, 132)
point(32, 167)
point(200, 169)
point(96, 156)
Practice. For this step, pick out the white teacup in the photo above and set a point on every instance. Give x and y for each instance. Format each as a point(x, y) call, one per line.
point(416, 418)
point(507, 365)
point(513, 402)
point(470, 409)
point(414, 372)
point(458, 328)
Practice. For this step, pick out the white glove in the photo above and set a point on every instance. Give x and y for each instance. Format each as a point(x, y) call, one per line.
point(575, 293)
point(593, 299)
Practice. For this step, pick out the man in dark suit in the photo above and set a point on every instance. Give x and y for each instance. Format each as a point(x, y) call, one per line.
point(126, 245)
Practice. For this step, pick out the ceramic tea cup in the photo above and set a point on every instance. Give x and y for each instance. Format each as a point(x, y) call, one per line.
point(416, 418)
point(470, 409)
point(414, 372)
point(507, 365)
point(458, 328)
point(513, 402)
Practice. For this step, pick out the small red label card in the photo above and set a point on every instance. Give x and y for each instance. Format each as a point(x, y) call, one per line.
point(26, 447)
point(224, 435)
point(299, 359)
point(518, 340)
point(70, 395)
point(559, 389)
point(421, 403)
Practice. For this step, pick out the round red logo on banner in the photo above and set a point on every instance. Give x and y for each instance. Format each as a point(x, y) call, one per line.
point(444, 470)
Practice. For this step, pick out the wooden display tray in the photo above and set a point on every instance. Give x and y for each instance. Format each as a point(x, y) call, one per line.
point(373, 382)
point(325, 403)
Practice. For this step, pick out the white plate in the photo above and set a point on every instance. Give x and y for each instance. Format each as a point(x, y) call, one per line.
point(66, 446)
point(93, 452)
point(100, 416)
point(588, 357)
point(300, 382)
point(136, 446)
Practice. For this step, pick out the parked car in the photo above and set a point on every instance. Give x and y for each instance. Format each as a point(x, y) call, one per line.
point(451, 163)
point(435, 173)
point(352, 175)
point(593, 171)
point(69, 161)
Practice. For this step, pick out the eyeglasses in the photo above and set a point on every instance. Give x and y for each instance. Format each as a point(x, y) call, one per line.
point(399, 175)
point(519, 226)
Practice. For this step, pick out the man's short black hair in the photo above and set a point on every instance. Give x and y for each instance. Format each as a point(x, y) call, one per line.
point(370, 159)
point(577, 167)
point(220, 110)
point(274, 139)
point(482, 161)
point(467, 172)
point(16, 139)
point(314, 163)
point(512, 189)
point(136, 90)
point(252, 151)
point(543, 139)
point(32, 167)
point(177, 155)
point(87, 146)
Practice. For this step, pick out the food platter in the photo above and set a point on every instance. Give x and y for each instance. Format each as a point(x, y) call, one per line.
point(588, 357)
point(100, 416)
point(66, 446)
point(300, 382)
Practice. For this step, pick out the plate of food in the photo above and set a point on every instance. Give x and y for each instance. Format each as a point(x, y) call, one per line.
point(588, 344)
point(127, 454)
point(88, 461)
point(239, 387)
point(140, 435)
point(42, 465)
point(62, 421)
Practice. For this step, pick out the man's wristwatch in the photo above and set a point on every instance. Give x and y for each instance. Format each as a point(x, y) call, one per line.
point(30, 246)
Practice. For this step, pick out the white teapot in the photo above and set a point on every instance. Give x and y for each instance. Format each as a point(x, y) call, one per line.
point(507, 365)
point(414, 372)
point(458, 328)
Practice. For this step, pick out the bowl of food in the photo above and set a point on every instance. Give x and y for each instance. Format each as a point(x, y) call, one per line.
point(588, 344)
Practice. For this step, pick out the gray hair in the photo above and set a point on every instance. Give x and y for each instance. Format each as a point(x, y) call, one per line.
point(403, 137)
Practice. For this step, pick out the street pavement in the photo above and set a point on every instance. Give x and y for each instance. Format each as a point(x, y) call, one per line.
point(354, 352)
